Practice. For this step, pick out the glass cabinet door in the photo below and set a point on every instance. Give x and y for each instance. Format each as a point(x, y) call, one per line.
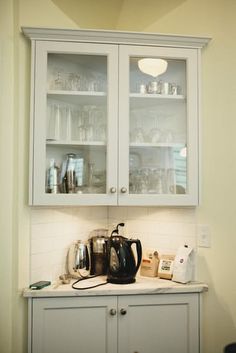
point(159, 100)
point(75, 96)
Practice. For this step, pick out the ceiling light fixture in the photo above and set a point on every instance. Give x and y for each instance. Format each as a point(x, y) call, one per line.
point(183, 152)
point(153, 67)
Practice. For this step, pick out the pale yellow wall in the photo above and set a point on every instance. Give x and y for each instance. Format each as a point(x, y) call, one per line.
point(215, 18)
point(6, 175)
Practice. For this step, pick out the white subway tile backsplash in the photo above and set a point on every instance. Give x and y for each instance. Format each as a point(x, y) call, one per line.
point(52, 232)
point(119, 214)
point(54, 229)
point(41, 215)
point(40, 260)
point(134, 213)
point(41, 245)
point(43, 230)
point(170, 215)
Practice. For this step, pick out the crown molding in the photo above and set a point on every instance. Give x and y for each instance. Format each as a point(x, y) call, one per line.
point(115, 37)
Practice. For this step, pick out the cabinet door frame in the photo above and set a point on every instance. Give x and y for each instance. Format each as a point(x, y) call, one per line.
point(190, 300)
point(192, 76)
point(40, 305)
point(38, 196)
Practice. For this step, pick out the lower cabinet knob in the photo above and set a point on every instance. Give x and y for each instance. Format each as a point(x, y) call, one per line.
point(123, 311)
point(113, 312)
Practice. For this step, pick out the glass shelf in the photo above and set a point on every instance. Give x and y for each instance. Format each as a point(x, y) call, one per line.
point(159, 144)
point(75, 143)
point(159, 96)
point(76, 93)
point(79, 97)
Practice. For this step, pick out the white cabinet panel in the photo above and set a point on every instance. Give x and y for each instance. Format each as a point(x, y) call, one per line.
point(73, 325)
point(159, 324)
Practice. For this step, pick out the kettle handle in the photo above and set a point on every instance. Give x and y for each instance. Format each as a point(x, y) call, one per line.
point(139, 251)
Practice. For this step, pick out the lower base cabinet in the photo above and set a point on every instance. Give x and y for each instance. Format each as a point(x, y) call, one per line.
point(153, 323)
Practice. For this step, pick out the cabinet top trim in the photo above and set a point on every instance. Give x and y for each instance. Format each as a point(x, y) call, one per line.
point(115, 37)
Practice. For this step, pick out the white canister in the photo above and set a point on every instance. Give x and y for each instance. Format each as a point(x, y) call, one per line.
point(166, 88)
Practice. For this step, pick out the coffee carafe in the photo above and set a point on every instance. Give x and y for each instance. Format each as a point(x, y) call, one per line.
point(98, 251)
point(78, 260)
point(122, 267)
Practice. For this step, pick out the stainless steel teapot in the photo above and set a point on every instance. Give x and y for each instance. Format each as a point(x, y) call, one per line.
point(78, 260)
point(88, 258)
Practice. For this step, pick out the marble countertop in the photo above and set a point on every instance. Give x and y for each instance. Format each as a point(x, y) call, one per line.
point(143, 285)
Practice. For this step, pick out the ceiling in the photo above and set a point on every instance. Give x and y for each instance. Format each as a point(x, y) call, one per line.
point(116, 14)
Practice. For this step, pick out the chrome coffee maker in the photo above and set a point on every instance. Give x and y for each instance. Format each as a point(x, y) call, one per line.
point(98, 251)
point(78, 260)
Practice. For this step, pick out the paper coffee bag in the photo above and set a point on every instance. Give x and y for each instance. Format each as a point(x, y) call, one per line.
point(149, 264)
point(184, 265)
point(166, 264)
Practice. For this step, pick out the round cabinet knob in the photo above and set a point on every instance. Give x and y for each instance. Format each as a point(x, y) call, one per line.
point(112, 190)
point(123, 190)
point(123, 311)
point(113, 312)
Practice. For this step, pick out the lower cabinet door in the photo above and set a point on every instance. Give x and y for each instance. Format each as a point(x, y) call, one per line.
point(163, 323)
point(74, 325)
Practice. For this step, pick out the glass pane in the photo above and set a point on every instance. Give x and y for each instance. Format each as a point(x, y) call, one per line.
point(76, 126)
point(157, 170)
point(73, 72)
point(158, 127)
point(74, 169)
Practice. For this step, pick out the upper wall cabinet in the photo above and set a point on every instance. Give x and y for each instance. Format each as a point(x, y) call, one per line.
point(114, 118)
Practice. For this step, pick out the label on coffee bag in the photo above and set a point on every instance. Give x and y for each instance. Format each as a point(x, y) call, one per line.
point(165, 269)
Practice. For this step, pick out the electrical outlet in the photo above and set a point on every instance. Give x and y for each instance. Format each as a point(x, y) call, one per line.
point(204, 236)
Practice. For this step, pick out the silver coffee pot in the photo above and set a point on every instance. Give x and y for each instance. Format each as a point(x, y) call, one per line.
point(78, 260)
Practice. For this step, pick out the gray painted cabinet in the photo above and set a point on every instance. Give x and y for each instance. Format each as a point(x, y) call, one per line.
point(159, 323)
point(74, 325)
point(107, 131)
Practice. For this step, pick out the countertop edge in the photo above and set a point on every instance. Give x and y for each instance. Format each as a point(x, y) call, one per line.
point(144, 286)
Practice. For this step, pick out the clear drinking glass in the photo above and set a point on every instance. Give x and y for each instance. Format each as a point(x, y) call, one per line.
point(58, 83)
point(53, 121)
point(73, 82)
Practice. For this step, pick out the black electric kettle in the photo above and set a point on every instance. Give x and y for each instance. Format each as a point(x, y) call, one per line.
point(122, 266)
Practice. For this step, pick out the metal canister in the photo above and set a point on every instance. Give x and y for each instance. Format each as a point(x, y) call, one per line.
point(79, 173)
point(70, 179)
point(53, 186)
point(152, 87)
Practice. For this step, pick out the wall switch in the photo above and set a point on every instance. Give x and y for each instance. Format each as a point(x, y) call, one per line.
point(204, 236)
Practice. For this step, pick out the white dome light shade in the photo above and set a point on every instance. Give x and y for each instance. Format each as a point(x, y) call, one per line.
point(183, 152)
point(153, 67)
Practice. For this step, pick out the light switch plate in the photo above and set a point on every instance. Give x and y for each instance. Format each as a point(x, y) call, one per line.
point(204, 236)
